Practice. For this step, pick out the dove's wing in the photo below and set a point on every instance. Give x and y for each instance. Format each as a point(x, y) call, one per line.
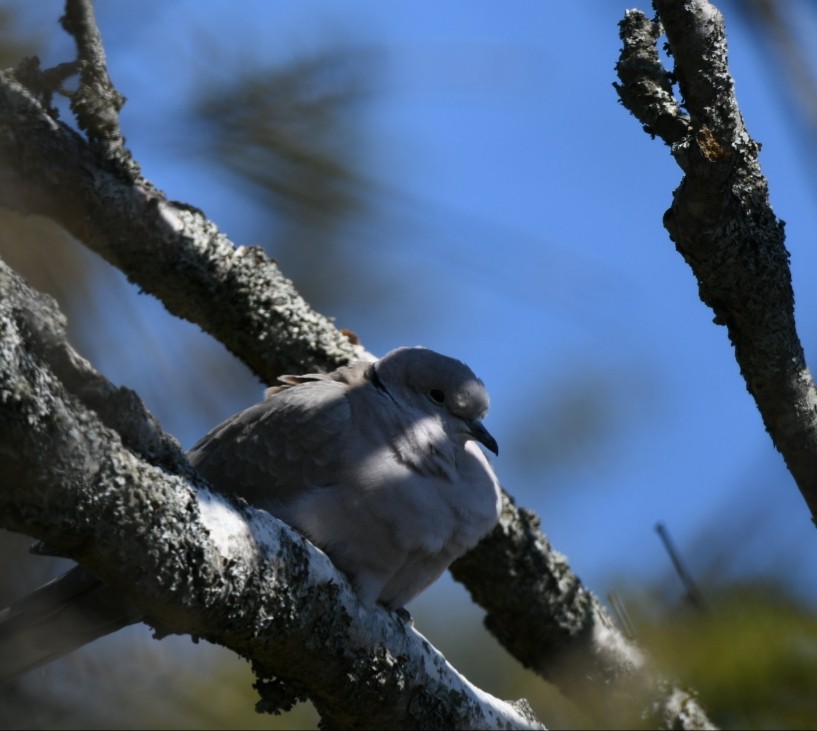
point(270, 453)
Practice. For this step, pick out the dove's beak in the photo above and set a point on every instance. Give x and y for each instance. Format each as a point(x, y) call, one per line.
point(482, 435)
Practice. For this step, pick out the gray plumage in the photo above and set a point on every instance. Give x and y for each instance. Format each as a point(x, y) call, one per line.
point(376, 463)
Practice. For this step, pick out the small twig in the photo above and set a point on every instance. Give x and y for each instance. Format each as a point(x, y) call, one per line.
point(623, 616)
point(44, 83)
point(96, 103)
point(646, 86)
point(693, 593)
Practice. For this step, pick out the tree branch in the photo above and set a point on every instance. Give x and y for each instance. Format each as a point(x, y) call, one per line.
point(96, 103)
point(239, 296)
point(646, 87)
point(541, 613)
point(723, 225)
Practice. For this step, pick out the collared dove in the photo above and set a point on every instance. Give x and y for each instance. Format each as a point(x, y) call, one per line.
point(376, 463)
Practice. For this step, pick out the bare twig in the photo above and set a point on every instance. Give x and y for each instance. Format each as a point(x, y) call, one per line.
point(621, 613)
point(693, 593)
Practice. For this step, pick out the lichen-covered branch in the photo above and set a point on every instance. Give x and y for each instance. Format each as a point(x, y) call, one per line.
point(237, 294)
point(722, 222)
point(646, 86)
point(543, 615)
point(96, 102)
point(197, 563)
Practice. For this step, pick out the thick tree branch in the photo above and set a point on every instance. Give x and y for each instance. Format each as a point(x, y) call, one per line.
point(199, 564)
point(543, 615)
point(723, 225)
point(240, 297)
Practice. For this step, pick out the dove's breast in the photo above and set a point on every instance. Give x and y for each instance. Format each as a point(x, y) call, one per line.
point(394, 532)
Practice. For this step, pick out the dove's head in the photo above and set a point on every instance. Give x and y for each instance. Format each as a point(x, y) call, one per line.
point(438, 385)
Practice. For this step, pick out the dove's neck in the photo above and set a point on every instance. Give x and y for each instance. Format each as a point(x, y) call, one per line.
point(423, 445)
point(417, 439)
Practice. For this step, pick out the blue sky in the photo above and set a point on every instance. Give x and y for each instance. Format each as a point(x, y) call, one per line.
point(526, 213)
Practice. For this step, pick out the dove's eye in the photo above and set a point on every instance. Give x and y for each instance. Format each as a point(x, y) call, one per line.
point(437, 396)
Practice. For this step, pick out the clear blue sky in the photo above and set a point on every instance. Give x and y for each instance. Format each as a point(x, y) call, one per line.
point(530, 226)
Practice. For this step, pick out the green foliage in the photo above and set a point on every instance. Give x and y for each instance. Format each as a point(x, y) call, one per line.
point(751, 655)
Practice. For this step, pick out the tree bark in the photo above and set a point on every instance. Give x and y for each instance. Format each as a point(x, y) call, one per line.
point(721, 220)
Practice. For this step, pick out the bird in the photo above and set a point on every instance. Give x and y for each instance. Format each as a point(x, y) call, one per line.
point(376, 463)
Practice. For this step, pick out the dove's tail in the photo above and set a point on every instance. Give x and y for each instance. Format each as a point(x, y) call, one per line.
point(59, 617)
